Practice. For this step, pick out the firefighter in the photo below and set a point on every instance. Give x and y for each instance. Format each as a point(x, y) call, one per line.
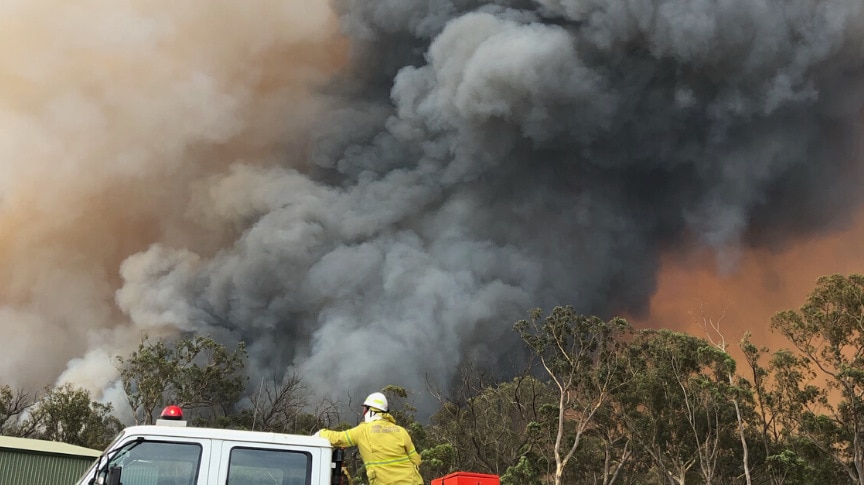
point(385, 447)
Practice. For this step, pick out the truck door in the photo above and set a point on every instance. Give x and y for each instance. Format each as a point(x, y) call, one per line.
point(246, 463)
point(159, 461)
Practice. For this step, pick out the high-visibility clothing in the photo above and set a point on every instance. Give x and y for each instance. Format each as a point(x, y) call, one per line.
point(386, 449)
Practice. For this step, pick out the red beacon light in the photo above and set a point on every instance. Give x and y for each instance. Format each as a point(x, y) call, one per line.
point(171, 416)
point(172, 412)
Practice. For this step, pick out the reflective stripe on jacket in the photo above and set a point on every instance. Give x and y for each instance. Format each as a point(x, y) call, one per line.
point(386, 449)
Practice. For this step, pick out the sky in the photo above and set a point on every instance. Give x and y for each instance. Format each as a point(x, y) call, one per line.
point(373, 192)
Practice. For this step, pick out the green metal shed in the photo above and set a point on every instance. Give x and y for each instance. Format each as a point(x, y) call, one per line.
point(38, 462)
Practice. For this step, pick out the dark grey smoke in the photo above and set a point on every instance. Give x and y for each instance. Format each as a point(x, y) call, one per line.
point(485, 158)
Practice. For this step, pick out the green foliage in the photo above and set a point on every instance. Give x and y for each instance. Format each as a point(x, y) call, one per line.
point(583, 356)
point(68, 414)
point(195, 373)
point(677, 405)
point(399, 406)
point(828, 332)
point(438, 461)
point(522, 473)
point(568, 343)
point(785, 400)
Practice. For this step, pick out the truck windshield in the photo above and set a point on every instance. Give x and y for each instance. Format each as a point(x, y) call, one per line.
point(155, 463)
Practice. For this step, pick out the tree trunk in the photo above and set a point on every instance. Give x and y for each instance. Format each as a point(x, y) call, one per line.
point(745, 452)
point(859, 452)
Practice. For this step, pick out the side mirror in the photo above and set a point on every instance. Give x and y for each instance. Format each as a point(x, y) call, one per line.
point(114, 475)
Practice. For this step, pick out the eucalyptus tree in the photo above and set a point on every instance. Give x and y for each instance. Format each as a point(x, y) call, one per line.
point(784, 391)
point(678, 406)
point(196, 373)
point(581, 355)
point(68, 414)
point(828, 333)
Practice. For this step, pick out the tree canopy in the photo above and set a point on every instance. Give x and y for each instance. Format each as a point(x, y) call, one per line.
point(196, 373)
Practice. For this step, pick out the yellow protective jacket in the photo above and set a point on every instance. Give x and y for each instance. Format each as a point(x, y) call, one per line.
point(386, 449)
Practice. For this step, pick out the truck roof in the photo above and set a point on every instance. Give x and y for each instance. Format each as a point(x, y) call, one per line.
point(226, 434)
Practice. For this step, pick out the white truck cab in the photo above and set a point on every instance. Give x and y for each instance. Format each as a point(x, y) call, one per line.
point(169, 453)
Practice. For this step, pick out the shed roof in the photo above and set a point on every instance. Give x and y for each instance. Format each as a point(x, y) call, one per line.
point(43, 446)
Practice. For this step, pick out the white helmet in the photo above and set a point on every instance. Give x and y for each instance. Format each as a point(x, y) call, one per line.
point(376, 400)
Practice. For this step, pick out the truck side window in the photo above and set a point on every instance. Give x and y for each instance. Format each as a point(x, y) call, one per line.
point(258, 466)
point(158, 463)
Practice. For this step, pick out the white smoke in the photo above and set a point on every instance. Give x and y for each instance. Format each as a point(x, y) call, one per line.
point(111, 114)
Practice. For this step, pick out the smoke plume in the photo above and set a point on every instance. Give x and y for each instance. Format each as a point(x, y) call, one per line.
point(371, 192)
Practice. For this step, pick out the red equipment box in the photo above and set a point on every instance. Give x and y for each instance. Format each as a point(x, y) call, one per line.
point(465, 478)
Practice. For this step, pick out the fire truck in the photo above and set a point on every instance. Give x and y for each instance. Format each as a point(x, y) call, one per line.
point(170, 453)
